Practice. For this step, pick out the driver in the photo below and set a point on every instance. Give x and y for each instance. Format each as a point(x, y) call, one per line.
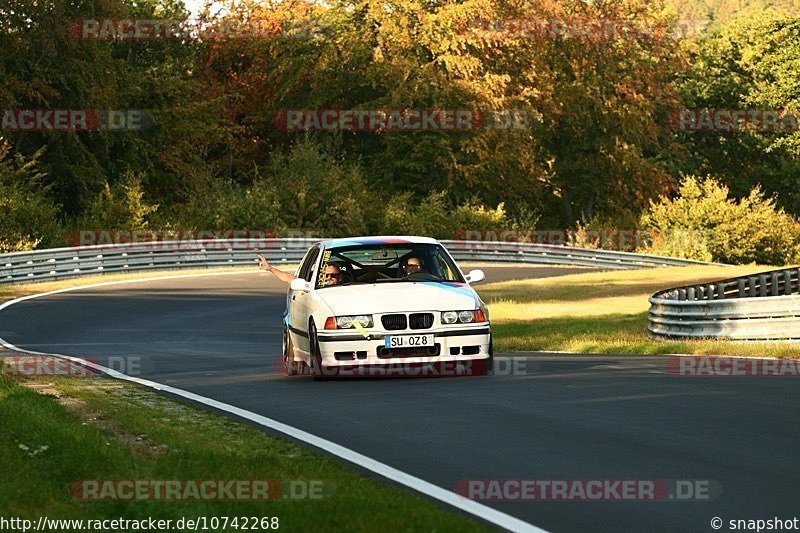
point(412, 265)
point(333, 275)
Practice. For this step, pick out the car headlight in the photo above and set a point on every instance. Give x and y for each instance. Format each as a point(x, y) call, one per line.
point(346, 322)
point(463, 317)
point(466, 316)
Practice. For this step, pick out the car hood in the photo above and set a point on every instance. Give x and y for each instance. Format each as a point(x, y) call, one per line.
point(400, 296)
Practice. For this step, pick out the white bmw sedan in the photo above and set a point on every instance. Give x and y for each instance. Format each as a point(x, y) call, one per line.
point(399, 305)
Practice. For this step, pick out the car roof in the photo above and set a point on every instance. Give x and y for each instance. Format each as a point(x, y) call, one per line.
point(377, 240)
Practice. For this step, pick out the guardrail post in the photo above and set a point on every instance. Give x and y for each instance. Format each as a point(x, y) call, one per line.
point(775, 290)
point(690, 294)
point(762, 281)
point(751, 286)
point(787, 282)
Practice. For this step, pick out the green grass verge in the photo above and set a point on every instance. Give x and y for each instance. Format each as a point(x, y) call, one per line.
point(96, 428)
point(603, 312)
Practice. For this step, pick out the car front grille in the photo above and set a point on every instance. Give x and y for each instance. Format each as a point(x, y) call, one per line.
point(420, 320)
point(394, 322)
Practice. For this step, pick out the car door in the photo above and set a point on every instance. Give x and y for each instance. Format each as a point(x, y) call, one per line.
point(299, 302)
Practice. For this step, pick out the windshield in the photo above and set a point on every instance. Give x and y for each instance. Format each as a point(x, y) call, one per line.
point(387, 263)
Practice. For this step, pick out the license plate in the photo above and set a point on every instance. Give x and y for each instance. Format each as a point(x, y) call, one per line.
point(408, 341)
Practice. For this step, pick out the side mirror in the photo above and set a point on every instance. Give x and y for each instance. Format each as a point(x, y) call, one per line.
point(299, 284)
point(475, 276)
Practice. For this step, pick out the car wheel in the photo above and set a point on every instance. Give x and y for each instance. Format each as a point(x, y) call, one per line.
point(314, 353)
point(291, 366)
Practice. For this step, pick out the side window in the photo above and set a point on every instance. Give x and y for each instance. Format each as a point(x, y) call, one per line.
point(307, 266)
point(442, 270)
point(303, 261)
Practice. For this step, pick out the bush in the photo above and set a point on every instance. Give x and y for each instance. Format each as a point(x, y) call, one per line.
point(256, 207)
point(428, 218)
point(28, 218)
point(473, 215)
point(228, 206)
point(318, 191)
point(119, 207)
point(703, 223)
point(433, 217)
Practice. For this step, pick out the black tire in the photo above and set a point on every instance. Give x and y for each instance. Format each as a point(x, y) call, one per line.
point(314, 354)
point(292, 367)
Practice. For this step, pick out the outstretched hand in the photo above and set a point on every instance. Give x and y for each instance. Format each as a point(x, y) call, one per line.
point(263, 264)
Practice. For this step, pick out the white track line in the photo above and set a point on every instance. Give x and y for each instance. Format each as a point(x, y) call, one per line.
point(480, 510)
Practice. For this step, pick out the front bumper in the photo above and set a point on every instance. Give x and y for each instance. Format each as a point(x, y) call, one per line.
point(348, 348)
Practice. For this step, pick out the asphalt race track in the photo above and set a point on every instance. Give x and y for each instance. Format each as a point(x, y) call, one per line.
point(566, 417)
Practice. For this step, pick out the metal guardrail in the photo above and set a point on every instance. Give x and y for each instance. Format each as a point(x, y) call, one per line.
point(764, 306)
point(60, 263)
point(509, 252)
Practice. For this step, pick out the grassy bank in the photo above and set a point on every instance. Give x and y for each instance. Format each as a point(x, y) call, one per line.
point(95, 428)
point(603, 312)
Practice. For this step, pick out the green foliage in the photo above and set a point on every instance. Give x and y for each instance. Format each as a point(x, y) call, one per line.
point(428, 217)
point(28, 217)
point(120, 207)
point(704, 223)
point(750, 63)
point(319, 191)
point(43, 67)
point(231, 207)
point(253, 207)
point(473, 215)
point(433, 217)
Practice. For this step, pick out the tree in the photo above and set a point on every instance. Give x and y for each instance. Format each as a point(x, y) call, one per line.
point(749, 64)
point(28, 217)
